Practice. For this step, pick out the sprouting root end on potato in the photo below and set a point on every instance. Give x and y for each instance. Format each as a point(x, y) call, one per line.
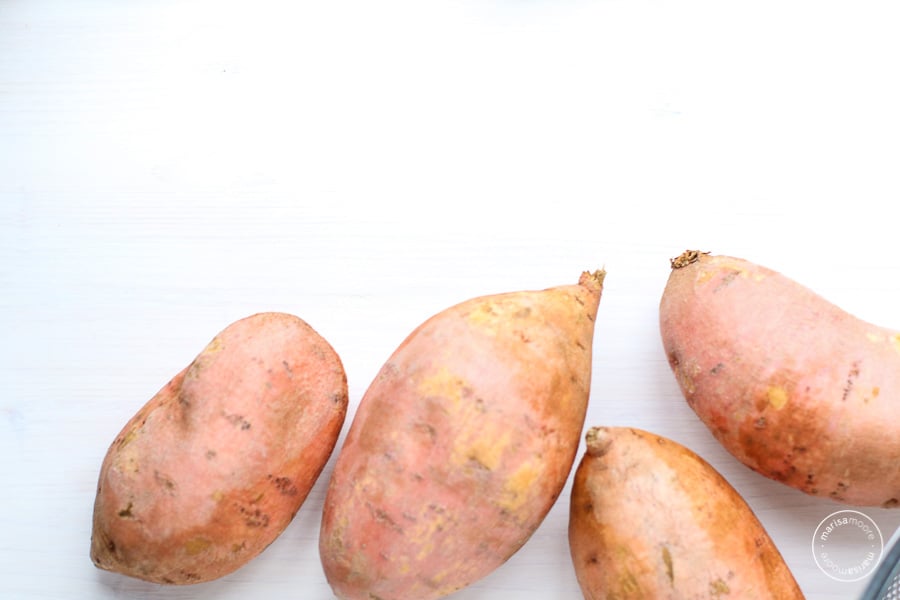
point(686, 258)
point(598, 441)
point(593, 279)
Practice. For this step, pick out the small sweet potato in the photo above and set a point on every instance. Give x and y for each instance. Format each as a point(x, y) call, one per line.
point(648, 518)
point(461, 444)
point(794, 387)
point(213, 468)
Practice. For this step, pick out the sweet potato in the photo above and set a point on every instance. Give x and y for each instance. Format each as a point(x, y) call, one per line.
point(461, 444)
point(213, 468)
point(794, 387)
point(649, 518)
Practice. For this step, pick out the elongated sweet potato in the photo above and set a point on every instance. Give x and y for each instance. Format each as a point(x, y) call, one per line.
point(213, 468)
point(790, 384)
point(461, 444)
point(649, 518)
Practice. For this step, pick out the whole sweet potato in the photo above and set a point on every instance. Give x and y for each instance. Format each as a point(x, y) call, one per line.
point(213, 468)
point(461, 444)
point(649, 518)
point(790, 384)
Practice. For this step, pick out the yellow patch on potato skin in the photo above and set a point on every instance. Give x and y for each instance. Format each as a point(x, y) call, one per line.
point(214, 346)
point(486, 451)
point(704, 277)
point(196, 546)
point(442, 384)
point(719, 588)
point(129, 437)
point(431, 523)
point(489, 315)
point(777, 397)
point(516, 487)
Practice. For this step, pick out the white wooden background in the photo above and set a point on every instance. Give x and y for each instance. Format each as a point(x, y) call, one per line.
point(168, 167)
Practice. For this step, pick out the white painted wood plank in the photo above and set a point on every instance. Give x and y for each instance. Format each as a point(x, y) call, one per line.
point(169, 167)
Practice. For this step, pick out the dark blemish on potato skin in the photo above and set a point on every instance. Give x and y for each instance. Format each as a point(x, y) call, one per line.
point(237, 421)
point(381, 516)
point(851, 379)
point(727, 280)
point(892, 503)
point(670, 567)
point(284, 485)
point(717, 369)
point(164, 481)
point(674, 361)
point(254, 518)
point(838, 493)
point(478, 464)
point(126, 513)
point(427, 429)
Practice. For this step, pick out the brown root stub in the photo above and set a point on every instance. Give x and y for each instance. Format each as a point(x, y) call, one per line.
point(685, 258)
point(598, 441)
point(593, 279)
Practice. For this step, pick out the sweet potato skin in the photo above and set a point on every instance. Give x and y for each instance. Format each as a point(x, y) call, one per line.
point(213, 468)
point(461, 444)
point(649, 518)
point(793, 386)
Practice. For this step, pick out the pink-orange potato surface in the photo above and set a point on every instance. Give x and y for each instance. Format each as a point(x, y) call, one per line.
point(461, 444)
point(213, 468)
point(649, 518)
point(793, 386)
